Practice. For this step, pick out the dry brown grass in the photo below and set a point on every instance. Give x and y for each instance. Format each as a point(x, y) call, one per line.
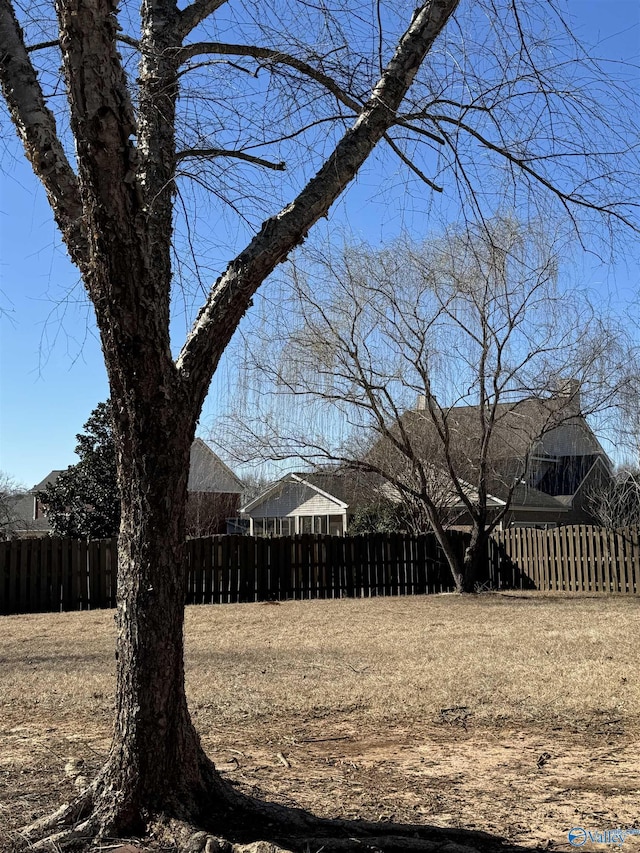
point(517, 659)
point(380, 706)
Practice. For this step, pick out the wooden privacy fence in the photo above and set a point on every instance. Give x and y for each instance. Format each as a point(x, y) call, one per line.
point(39, 575)
point(49, 574)
point(245, 568)
point(574, 558)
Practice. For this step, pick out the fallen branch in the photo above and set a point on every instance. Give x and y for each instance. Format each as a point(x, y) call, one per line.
point(321, 739)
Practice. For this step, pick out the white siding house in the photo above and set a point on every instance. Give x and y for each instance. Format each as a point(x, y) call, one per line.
point(296, 504)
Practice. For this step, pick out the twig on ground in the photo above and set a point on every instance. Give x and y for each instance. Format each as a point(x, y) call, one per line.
point(283, 760)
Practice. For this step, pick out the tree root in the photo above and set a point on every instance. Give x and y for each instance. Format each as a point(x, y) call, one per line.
point(187, 841)
point(230, 823)
point(72, 822)
point(377, 838)
point(67, 839)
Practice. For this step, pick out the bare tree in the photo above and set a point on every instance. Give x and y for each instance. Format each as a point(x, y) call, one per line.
point(10, 494)
point(616, 503)
point(442, 369)
point(265, 113)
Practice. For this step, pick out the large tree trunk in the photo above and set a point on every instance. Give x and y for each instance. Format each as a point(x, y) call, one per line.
point(155, 755)
point(156, 766)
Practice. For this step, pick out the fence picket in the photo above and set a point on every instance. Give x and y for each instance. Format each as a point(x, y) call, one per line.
point(23, 575)
point(619, 559)
point(584, 555)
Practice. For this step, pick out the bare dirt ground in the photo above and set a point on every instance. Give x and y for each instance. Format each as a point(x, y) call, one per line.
point(515, 715)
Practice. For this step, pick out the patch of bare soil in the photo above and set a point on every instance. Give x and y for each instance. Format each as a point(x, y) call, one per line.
point(529, 787)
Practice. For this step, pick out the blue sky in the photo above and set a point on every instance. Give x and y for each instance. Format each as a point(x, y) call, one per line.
point(51, 370)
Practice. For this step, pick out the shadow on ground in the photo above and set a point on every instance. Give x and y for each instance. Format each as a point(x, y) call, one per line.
point(292, 829)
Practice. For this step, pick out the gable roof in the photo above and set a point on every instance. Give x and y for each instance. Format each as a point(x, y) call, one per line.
point(208, 473)
point(51, 477)
point(543, 444)
point(347, 489)
point(526, 497)
point(548, 426)
point(351, 487)
point(22, 520)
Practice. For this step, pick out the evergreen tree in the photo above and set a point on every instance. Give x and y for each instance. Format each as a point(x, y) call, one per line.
point(84, 502)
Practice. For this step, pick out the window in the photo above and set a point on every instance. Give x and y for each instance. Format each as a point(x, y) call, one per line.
point(321, 524)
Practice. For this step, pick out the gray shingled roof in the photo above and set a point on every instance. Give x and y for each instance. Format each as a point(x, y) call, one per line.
point(517, 426)
point(208, 473)
point(541, 428)
point(22, 516)
point(50, 478)
point(525, 496)
point(354, 488)
point(22, 512)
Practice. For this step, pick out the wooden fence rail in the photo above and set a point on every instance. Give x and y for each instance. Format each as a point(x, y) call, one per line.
point(243, 568)
point(39, 575)
point(47, 574)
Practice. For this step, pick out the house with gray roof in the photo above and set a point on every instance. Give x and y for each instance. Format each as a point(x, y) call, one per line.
point(27, 515)
point(545, 463)
point(544, 457)
point(214, 496)
point(214, 492)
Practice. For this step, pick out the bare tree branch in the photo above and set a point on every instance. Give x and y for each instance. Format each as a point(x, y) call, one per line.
point(195, 14)
point(410, 164)
point(37, 128)
point(567, 197)
point(231, 294)
point(43, 45)
point(274, 56)
point(193, 153)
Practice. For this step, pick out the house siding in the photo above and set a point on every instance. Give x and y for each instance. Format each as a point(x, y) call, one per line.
point(295, 499)
point(318, 505)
